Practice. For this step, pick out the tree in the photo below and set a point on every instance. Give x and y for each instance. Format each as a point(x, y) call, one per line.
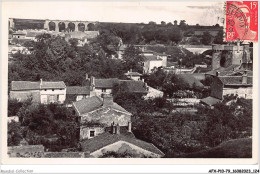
point(219, 38)
point(163, 23)
point(13, 107)
point(206, 38)
point(152, 23)
point(132, 58)
point(14, 134)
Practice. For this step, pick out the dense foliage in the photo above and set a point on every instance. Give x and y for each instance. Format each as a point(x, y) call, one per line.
point(179, 133)
point(52, 125)
point(53, 58)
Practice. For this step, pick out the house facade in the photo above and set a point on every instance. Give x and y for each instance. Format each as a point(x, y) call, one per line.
point(96, 113)
point(106, 127)
point(242, 86)
point(44, 92)
point(150, 63)
point(133, 75)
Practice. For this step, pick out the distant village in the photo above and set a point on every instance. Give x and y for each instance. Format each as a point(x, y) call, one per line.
point(104, 127)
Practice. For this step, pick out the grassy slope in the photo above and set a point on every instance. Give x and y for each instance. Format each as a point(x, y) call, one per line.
point(237, 148)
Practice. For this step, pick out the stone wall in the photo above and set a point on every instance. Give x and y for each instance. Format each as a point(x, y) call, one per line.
point(28, 151)
point(216, 60)
point(85, 131)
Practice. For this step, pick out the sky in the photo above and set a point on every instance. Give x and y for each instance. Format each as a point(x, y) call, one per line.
point(203, 13)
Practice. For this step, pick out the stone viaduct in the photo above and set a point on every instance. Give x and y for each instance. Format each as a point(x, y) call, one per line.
point(57, 25)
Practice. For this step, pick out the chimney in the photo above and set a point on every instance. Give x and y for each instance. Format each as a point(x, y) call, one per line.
point(130, 70)
point(87, 76)
point(217, 73)
point(40, 83)
point(107, 100)
point(244, 78)
point(92, 83)
point(129, 127)
point(142, 80)
point(117, 129)
point(113, 128)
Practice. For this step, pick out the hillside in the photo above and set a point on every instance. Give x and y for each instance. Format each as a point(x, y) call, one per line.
point(236, 148)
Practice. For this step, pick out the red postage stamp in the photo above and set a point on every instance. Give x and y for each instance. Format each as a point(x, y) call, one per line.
point(242, 21)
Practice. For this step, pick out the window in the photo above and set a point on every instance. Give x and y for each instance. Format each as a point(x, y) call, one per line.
point(52, 89)
point(60, 88)
point(92, 133)
point(45, 89)
point(103, 89)
point(51, 98)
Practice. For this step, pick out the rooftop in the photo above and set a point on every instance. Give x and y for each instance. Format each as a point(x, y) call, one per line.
point(107, 138)
point(28, 85)
point(236, 80)
point(133, 86)
point(210, 101)
point(106, 83)
point(90, 104)
point(83, 90)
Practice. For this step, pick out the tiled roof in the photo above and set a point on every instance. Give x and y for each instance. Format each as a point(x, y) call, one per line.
point(49, 85)
point(90, 104)
point(24, 85)
point(106, 83)
point(105, 139)
point(235, 80)
point(133, 86)
point(78, 90)
point(28, 85)
point(151, 58)
point(210, 101)
point(87, 105)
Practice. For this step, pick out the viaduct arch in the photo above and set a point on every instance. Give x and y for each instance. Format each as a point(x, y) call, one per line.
point(61, 25)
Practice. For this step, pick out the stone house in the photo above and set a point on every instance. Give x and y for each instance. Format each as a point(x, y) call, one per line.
point(228, 85)
point(106, 127)
point(19, 35)
point(95, 114)
point(41, 92)
point(101, 87)
point(151, 63)
point(76, 93)
point(120, 141)
point(133, 75)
